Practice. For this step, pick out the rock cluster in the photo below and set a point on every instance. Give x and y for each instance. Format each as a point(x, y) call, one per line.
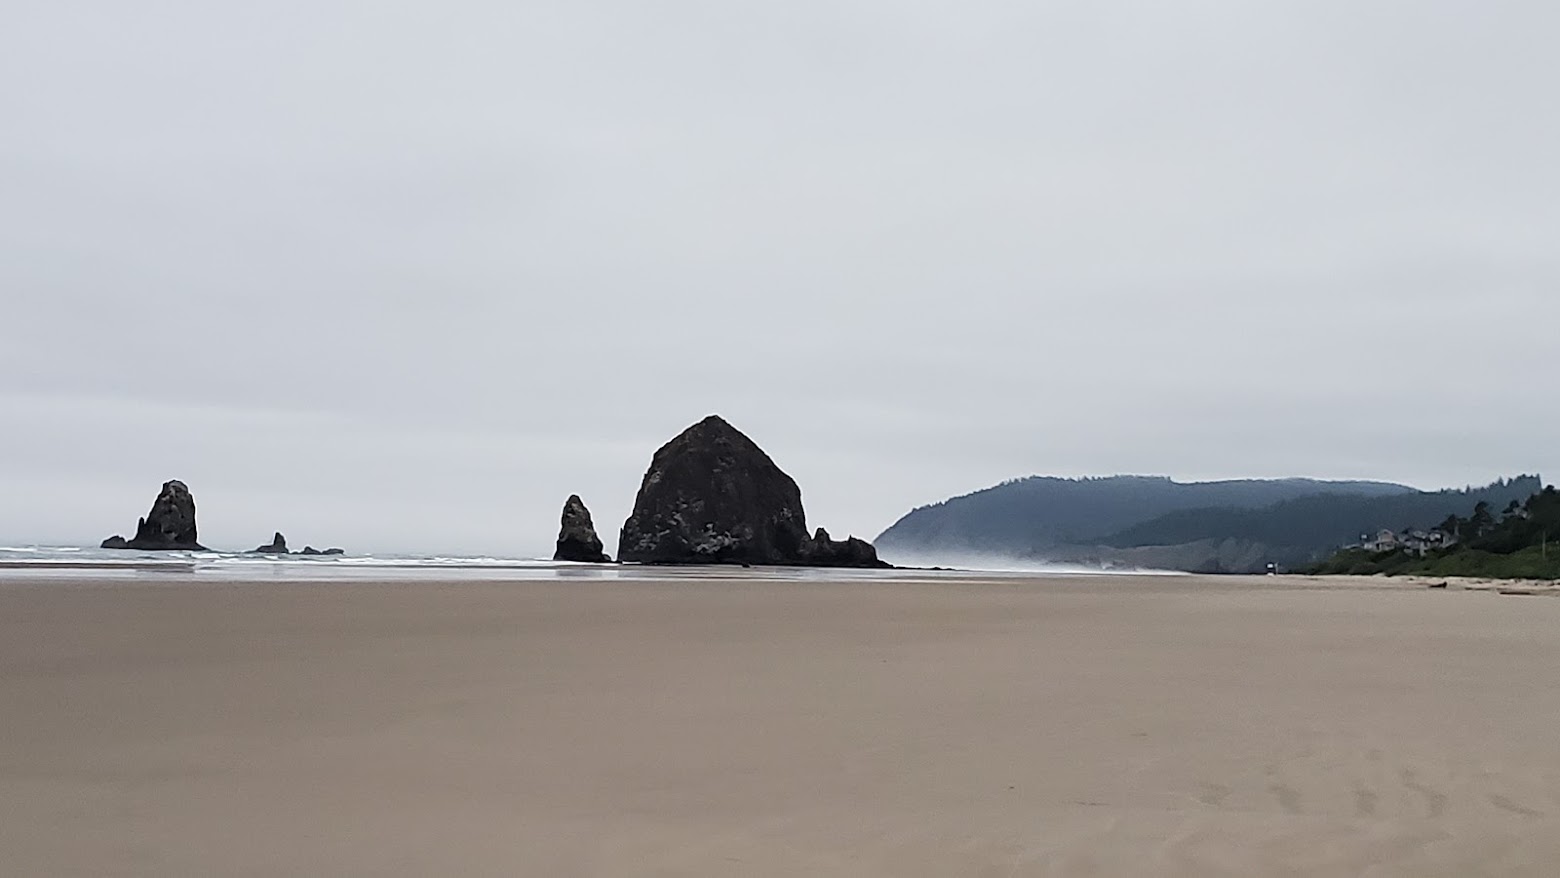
point(577, 539)
point(278, 546)
point(852, 552)
point(712, 496)
point(170, 526)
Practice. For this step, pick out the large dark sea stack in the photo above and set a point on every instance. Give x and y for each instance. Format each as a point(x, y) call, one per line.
point(577, 540)
point(169, 526)
point(711, 496)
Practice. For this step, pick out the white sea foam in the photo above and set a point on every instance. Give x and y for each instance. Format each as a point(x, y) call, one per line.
point(75, 560)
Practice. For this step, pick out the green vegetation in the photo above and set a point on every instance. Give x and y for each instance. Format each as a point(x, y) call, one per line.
point(1524, 543)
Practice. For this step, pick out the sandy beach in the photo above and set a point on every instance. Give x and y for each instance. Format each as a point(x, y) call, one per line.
point(1176, 726)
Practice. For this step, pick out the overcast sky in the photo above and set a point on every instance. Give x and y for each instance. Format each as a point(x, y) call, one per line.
point(403, 276)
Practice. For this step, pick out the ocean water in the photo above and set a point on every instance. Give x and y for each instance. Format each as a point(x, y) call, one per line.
point(48, 562)
point(78, 561)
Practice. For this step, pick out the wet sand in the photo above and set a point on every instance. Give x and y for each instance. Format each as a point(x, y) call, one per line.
point(1060, 726)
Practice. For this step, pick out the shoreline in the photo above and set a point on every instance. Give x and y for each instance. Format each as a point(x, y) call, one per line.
point(261, 569)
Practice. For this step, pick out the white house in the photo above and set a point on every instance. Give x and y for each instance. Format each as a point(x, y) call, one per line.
point(1418, 542)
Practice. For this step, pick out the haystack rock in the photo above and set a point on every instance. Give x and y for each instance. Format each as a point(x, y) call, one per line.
point(278, 546)
point(712, 496)
point(169, 526)
point(577, 540)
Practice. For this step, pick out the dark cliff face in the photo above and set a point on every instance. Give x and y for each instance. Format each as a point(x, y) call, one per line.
point(712, 496)
point(577, 539)
point(169, 526)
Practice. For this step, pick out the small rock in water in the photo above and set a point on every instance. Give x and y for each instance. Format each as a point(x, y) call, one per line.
point(310, 550)
point(278, 546)
point(577, 539)
point(824, 552)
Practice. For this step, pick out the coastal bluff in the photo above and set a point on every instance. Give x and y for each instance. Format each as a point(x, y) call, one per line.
point(712, 496)
point(169, 526)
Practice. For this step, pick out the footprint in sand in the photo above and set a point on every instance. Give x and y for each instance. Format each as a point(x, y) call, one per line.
point(1214, 794)
point(1365, 802)
point(1506, 804)
point(1288, 797)
point(1435, 800)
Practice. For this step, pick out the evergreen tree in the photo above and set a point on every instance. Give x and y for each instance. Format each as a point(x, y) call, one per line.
point(1481, 521)
point(1452, 526)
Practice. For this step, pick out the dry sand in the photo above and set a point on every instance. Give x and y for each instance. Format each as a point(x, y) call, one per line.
point(1102, 726)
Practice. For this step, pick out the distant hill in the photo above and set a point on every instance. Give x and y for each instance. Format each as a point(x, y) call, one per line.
point(1227, 526)
point(1019, 517)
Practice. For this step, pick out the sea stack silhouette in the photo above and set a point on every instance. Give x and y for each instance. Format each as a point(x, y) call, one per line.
point(278, 546)
point(170, 526)
point(712, 496)
point(577, 539)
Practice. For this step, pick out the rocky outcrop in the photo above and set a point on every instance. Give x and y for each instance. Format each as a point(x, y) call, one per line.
point(712, 496)
point(577, 539)
point(852, 552)
point(170, 526)
point(278, 546)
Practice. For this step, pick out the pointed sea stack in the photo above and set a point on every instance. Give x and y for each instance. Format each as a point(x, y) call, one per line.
point(712, 496)
point(278, 546)
point(170, 526)
point(577, 540)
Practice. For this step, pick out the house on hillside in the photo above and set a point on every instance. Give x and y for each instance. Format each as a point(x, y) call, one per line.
point(1415, 542)
point(1384, 541)
point(1421, 542)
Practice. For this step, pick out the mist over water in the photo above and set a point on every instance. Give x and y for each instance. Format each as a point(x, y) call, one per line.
point(997, 563)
